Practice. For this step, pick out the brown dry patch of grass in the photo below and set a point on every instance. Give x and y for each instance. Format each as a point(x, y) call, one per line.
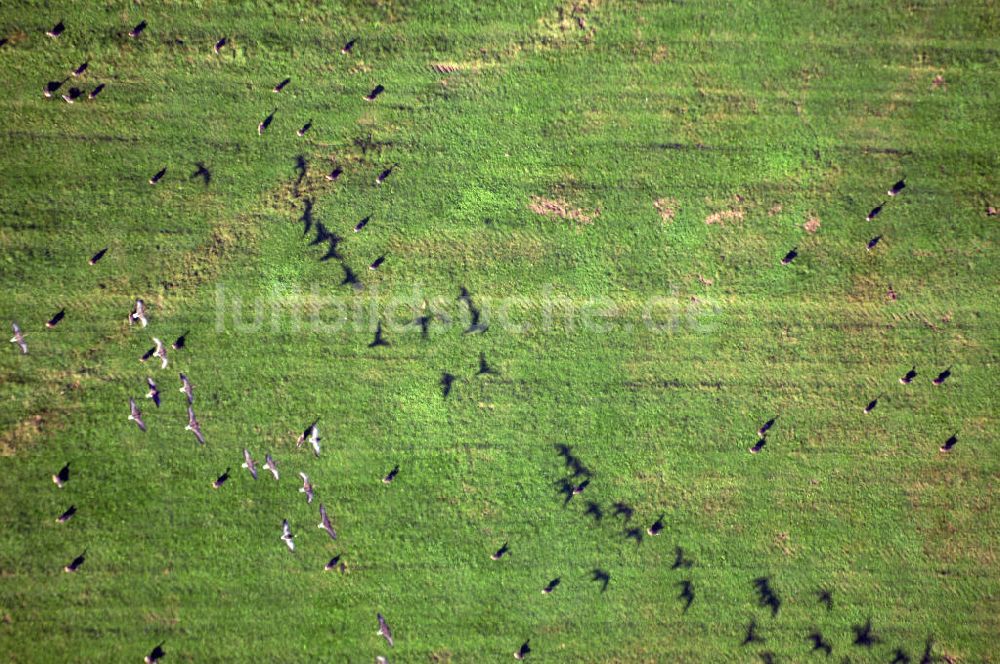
point(939, 82)
point(782, 542)
point(23, 434)
point(667, 208)
point(812, 224)
point(569, 23)
point(774, 209)
point(705, 280)
point(723, 216)
point(556, 207)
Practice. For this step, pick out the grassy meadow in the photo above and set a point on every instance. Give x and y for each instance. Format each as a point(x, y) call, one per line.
point(615, 183)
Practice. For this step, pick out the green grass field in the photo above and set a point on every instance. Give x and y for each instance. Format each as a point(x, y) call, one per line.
point(615, 183)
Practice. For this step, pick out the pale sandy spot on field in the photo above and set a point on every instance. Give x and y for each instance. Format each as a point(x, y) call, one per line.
point(724, 216)
point(666, 207)
point(812, 224)
point(555, 207)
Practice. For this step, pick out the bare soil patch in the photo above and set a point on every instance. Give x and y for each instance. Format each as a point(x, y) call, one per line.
point(555, 207)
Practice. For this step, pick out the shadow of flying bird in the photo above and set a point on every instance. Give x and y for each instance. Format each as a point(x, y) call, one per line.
point(379, 340)
point(679, 560)
point(819, 643)
point(766, 596)
point(687, 594)
point(547, 590)
point(621, 509)
point(752, 636)
point(446, 382)
point(594, 510)
point(203, 173)
point(826, 599)
point(601, 576)
point(863, 635)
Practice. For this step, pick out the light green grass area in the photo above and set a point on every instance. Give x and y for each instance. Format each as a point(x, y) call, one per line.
point(627, 326)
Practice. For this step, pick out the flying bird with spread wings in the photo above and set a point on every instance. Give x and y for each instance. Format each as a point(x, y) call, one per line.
point(135, 415)
point(18, 339)
point(187, 388)
point(154, 392)
point(249, 463)
point(383, 629)
point(307, 487)
point(270, 465)
point(193, 426)
point(286, 535)
point(160, 352)
point(138, 313)
point(325, 524)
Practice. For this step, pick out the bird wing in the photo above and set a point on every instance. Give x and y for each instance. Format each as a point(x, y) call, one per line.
point(383, 628)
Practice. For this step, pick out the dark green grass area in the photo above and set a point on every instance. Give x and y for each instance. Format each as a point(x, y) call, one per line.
point(627, 326)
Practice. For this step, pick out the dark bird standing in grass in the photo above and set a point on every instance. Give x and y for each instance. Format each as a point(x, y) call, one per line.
point(361, 224)
point(333, 175)
point(281, 86)
point(155, 654)
point(325, 524)
point(187, 388)
point(501, 552)
point(79, 70)
point(179, 342)
point(51, 87)
point(523, 651)
point(789, 257)
point(943, 376)
point(896, 188)
point(872, 242)
point(385, 174)
point(764, 428)
point(56, 30)
point(687, 594)
point(62, 476)
point(332, 564)
point(154, 392)
point(307, 488)
point(383, 629)
point(378, 340)
point(96, 91)
point(219, 44)
point(446, 382)
point(193, 426)
point(249, 463)
point(75, 564)
point(158, 175)
point(950, 443)
point(98, 256)
point(18, 338)
point(67, 515)
point(55, 319)
point(72, 95)
point(221, 479)
point(759, 445)
point(874, 212)
point(578, 489)
point(348, 46)
point(547, 590)
point(391, 476)
point(306, 127)
point(910, 375)
point(265, 123)
point(657, 526)
point(376, 91)
point(819, 643)
point(377, 262)
point(137, 30)
point(871, 404)
point(135, 415)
